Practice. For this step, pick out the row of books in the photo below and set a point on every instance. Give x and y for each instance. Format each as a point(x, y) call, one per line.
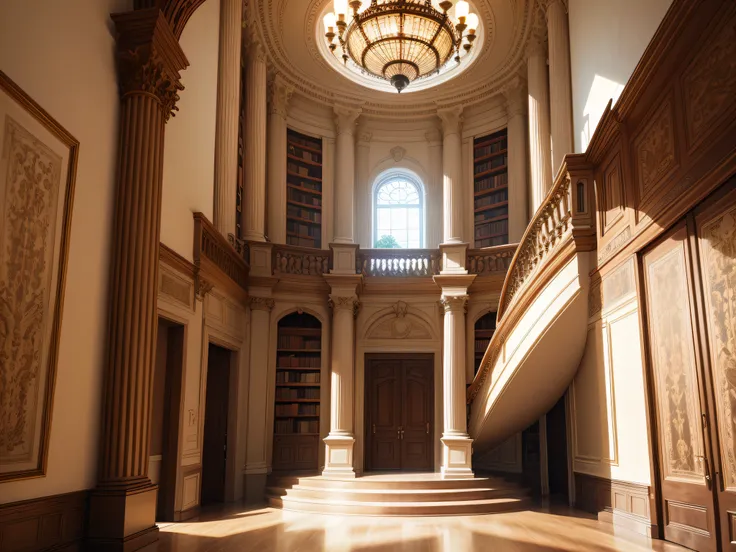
point(490, 199)
point(304, 154)
point(491, 148)
point(496, 227)
point(308, 184)
point(303, 242)
point(294, 211)
point(288, 393)
point(291, 361)
point(298, 342)
point(493, 181)
point(490, 242)
point(301, 170)
point(296, 409)
point(481, 345)
point(496, 162)
point(492, 213)
point(296, 426)
point(289, 376)
point(299, 140)
point(303, 229)
point(301, 197)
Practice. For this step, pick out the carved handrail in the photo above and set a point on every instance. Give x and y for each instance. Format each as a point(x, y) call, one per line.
point(213, 246)
point(490, 260)
point(398, 262)
point(551, 222)
point(306, 261)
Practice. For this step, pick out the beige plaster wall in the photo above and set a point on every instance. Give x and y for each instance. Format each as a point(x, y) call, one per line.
point(607, 39)
point(61, 54)
point(189, 150)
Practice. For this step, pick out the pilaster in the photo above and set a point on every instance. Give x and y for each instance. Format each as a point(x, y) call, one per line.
point(345, 121)
point(123, 504)
point(434, 208)
point(452, 192)
point(540, 153)
point(516, 106)
point(280, 94)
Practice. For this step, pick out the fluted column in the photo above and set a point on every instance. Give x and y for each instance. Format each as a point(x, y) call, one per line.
point(227, 118)
point(254, 185)
point(457, 446)
point(560, 87)
point(277, 111)
point(256, 463)
point(452, 191)
point(345, 120)
point(364, 200)
point(123, 504)
point(435, 189)
point(340, 441)
point(518, 182)
point(540, 153)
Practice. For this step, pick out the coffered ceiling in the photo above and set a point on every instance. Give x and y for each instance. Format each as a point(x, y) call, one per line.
point(289, 31)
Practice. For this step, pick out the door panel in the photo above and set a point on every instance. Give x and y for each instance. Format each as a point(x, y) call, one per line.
point(214, 453)
point(416, 437)
point(715, 225)
point(689, 515)
point(384, 400)
point(399, 412)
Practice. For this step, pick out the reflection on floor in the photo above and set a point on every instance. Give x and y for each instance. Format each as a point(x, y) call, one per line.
point(232, 529)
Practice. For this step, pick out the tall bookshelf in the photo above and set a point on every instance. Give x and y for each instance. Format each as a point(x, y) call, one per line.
point(297, 398)
point(303, 190)
point(484, 329)
point(490, 187)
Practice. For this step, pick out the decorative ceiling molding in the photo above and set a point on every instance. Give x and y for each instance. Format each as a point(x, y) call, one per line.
point(267, 19)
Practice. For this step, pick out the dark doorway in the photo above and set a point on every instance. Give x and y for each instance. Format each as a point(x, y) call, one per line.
point(399, 399)
point(214, 454)
point(165, 415)
point(557, 468)
point(530, 459)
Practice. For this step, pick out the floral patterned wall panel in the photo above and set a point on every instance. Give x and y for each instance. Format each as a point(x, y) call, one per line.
point(37, 168)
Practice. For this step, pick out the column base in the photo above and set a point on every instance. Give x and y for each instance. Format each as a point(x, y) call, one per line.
point(339, 457)
point(457, 455)
point(254, 488)
point(122, 520)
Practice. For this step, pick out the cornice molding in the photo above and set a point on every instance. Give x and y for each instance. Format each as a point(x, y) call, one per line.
point(261, 303)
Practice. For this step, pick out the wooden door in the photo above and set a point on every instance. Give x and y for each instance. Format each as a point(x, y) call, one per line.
point(715, 227)
point(416, 419)
point(383, 398)
point(685, 468)
point(399, 412)
point(214, 453)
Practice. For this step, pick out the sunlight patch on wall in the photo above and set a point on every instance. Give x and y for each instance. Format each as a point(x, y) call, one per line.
point(601, 91)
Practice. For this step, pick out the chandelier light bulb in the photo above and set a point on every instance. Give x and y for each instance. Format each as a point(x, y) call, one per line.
point(472, 22)
point(461, 10)
point(329, 21)
point(341, 7)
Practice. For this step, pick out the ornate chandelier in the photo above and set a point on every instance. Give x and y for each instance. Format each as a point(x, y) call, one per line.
point(400, 40)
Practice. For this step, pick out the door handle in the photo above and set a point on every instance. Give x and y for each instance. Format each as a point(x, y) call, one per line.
point(427, 428)
point(706, 467)
point(374, 429)
point(399, 433)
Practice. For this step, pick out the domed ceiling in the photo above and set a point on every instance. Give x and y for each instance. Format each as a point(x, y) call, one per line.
point(292, 34)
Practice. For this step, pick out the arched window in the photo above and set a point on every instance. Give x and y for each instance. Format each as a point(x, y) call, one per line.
point(398, 202)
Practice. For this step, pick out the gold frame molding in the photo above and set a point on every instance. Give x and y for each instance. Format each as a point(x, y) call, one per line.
point(27, 103)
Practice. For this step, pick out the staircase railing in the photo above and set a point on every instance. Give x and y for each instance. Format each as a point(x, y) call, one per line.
point(490, 260)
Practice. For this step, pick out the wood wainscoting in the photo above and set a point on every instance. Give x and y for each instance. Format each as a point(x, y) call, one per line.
point(625, 504)
point(52, 522)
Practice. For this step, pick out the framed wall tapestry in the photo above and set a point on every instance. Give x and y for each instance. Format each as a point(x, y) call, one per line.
point(38, 161)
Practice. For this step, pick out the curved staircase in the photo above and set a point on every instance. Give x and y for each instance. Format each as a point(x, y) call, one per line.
point(396, 495)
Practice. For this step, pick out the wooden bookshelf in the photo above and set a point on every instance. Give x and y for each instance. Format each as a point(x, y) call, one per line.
point(490, 189)
point(484, 329)
point(303, 190)
point(297, 398)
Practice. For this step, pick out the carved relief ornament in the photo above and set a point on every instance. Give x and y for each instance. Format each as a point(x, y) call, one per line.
point(149, 58)
point(341, 302)
point(261, 303)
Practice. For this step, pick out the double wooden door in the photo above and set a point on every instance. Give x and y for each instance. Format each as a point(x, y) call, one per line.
point(399, 401)
point(690, 283)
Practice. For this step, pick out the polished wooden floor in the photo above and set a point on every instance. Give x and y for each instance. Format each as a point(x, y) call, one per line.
point(231, 529)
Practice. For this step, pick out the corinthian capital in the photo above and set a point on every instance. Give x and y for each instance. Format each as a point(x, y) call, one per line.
point(452, 119)
point(261, 303)
point(280, 95)
point(337, 302)
point(516, 98)
point(454, 303)
point(346, 118)
point(149, 58)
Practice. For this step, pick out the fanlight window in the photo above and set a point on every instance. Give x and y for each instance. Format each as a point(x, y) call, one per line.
point(398, 213)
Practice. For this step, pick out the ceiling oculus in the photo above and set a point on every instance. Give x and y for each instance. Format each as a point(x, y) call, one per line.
point(400, 40)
